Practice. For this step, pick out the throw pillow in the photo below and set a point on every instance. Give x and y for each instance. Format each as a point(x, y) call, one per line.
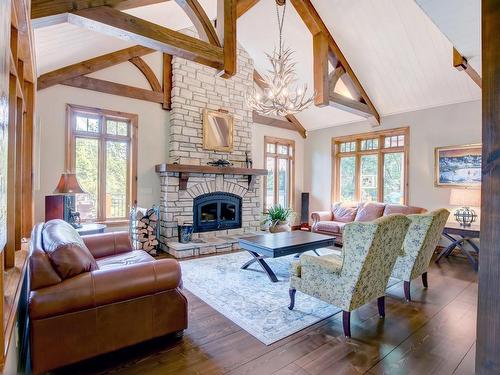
point(344, 214)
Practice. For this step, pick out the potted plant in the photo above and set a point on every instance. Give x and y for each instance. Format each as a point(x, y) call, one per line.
point(278, 218)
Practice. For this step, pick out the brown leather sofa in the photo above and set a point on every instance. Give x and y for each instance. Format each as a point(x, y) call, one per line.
point(93, 294)
point(332, 222)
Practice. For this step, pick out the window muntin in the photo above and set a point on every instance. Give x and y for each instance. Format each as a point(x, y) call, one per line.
point(101, 151)
point(279, 162)
point(371, 167)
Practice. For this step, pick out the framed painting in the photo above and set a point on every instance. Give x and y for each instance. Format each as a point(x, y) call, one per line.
point(217, 131)
point(458, 166)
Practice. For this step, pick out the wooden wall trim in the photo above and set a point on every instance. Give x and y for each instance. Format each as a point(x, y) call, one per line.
point(488, 311)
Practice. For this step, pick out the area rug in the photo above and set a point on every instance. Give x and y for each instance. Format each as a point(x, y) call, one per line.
point(250, 299)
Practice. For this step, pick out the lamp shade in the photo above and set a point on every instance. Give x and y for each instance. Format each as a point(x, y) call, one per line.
point(465, 197)
point(68, 184)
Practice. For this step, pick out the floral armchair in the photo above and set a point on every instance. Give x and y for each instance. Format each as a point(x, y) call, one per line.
point(419, 245)
point(361, 274)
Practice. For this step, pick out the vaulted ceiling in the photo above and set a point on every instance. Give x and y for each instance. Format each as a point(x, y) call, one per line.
point(402, 59)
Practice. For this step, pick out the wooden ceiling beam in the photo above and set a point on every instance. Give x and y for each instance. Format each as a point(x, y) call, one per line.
point(113, 88)
point(148, 73)
point(272, 121)
point(226, 11)
point(315, 24)
point(349, 105)
point(89, 66)
point(125, 26)
point(460, 63)
point(339, 74)
point(200, 20)
point(244, 6)
point(320, 69)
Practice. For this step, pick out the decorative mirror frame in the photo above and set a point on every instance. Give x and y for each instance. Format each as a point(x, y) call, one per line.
point(229, 118)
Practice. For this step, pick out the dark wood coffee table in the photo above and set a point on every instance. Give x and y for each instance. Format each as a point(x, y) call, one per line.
point(275, 245)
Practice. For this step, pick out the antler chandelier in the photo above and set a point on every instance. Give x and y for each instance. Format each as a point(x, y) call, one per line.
point(279, 97)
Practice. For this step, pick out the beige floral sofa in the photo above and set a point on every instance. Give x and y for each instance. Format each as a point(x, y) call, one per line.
point(360, 274)
point(332, 222)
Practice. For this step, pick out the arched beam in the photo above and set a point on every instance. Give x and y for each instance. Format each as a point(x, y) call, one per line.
point(340, 74)
point(147, 72)
point(200, 20)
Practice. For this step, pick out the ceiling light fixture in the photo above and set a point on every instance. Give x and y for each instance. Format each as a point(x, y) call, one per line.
point(279, 97)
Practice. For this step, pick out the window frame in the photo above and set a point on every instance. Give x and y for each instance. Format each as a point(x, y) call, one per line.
point(380, 152)
point(291, 165)
point(72, 111)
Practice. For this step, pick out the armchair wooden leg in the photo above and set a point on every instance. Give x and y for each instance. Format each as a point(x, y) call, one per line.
point(291, 293)
point(346, 321)
point(424, 280)
point(407, 290)
point(381, 306)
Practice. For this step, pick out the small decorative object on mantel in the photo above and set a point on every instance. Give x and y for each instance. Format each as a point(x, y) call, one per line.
point(458, 166)
point(220, 163)
point(248, 161)
point(466, 198)
point(145, 229)
point(278, 218)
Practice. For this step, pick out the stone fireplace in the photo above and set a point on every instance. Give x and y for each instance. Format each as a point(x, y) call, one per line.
point(221, 202)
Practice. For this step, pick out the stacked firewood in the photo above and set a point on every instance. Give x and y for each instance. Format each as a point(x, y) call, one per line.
point(144, 229)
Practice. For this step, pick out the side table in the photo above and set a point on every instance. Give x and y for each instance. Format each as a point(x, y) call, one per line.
point(464, 235)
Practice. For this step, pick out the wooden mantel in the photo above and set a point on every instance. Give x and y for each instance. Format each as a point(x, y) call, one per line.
point(184, 171)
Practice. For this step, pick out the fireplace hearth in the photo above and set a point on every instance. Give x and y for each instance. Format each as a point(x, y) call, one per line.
point(216, 211)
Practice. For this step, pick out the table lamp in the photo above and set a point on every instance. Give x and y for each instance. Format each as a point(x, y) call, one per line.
point(466, 198)
point(67, 187)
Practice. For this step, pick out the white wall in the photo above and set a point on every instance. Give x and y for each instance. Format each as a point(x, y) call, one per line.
point(441, 126)
point(259, 132)
point(51, 118)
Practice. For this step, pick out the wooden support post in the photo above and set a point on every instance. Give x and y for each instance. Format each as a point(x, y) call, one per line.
point(28, 209)
point(10, 248)
point(226, 12)
point(320, 70)
point(488, 311)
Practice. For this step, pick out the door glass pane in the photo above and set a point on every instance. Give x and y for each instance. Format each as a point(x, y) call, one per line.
point(122, 128)
point(111, 127)
point(87, 172)
point(283, 182)
point(209, 213)
point(116, 179)
point(269, 183)
point(394, 178)
point(271, 148)
point(282, 150)
point(228, 212)
point(347, 183)
point(368, 178)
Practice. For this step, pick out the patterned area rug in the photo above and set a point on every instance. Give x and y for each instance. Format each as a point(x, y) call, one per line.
point(249, 298)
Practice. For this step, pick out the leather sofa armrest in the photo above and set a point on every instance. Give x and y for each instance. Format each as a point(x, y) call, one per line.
point(102, 287)
point(106, 244)
point(321, 216)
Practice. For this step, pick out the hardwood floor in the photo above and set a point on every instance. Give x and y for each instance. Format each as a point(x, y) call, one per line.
point(433, 334)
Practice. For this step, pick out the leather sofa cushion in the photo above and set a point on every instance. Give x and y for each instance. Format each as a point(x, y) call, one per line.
point(370, 211)
point(330, 226)
point(65, 248)
point(42, 274)
point(124, 259)
point(404, 210)
point(343, 213)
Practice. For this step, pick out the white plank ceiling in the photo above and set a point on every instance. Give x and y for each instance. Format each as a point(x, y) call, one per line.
point(402, 59)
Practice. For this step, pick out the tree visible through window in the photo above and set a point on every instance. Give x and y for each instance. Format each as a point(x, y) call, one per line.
point(371, 167)
point(102, 152)
point(279, 162)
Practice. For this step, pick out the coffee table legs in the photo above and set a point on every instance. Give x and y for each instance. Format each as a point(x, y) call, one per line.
point(260, 258)
point(459, 243)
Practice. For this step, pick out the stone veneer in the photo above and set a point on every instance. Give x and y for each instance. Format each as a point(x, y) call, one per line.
point(197, 87)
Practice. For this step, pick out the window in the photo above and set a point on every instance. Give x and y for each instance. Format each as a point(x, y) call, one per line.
point(279, 162)
point(371, 167)
point(102, 150)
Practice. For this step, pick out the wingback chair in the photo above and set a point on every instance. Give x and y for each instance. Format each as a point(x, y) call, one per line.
point(361, 274)
point(419, 245)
